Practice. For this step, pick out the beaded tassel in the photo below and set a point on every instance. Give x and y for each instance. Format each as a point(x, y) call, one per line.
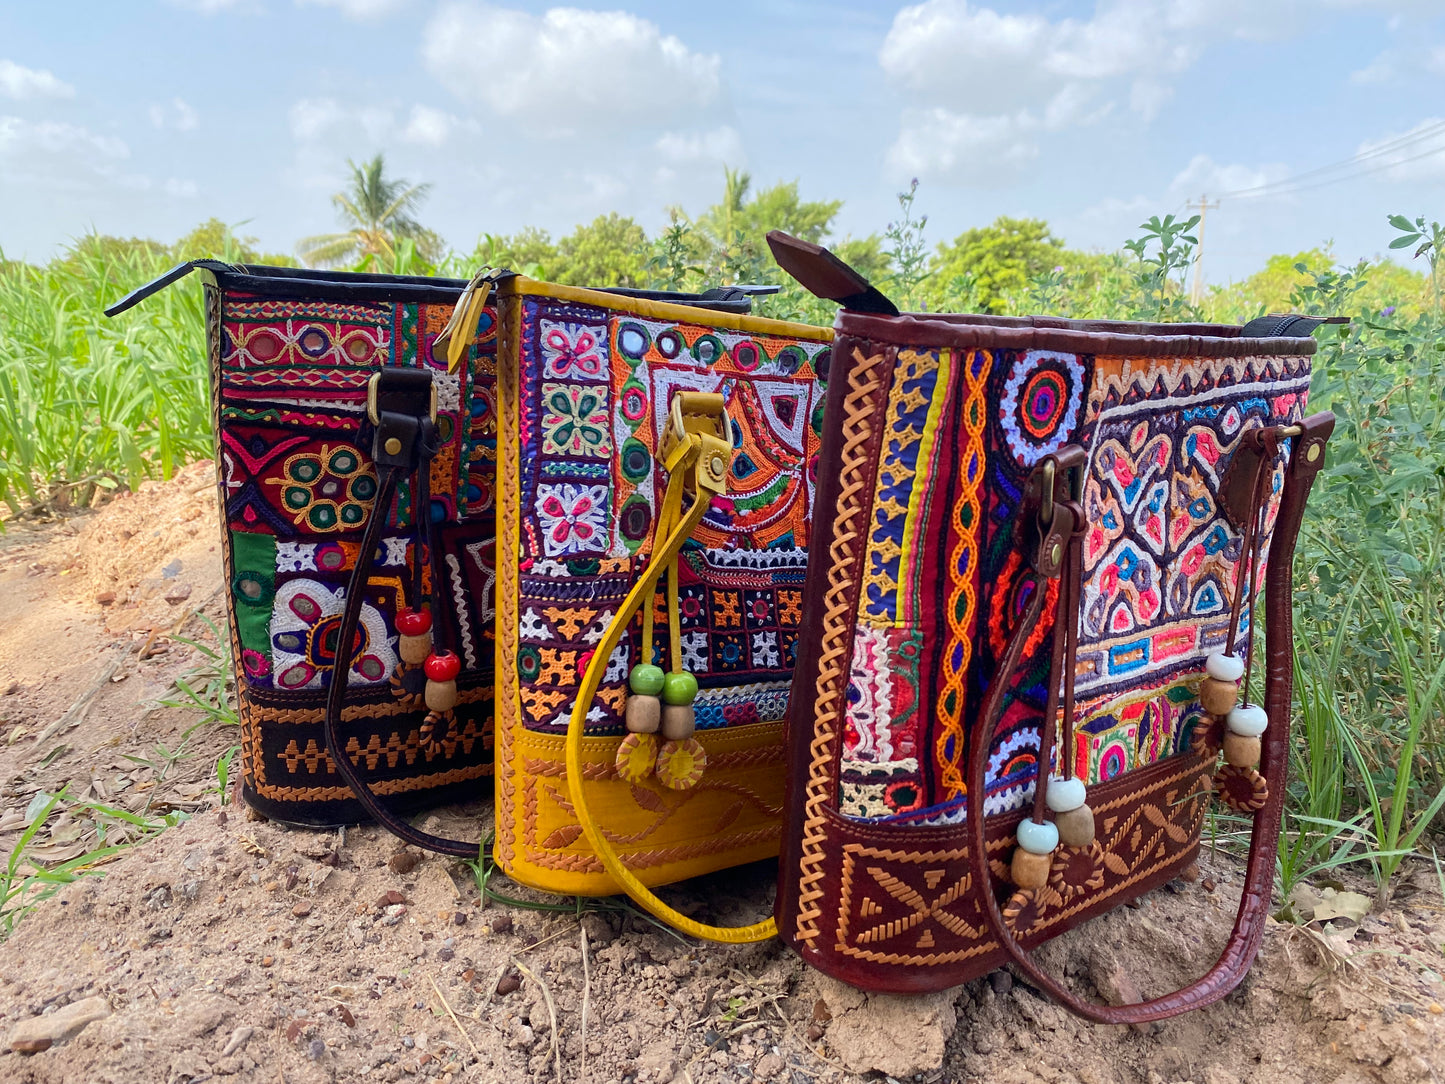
point(1033, 857)
point(644, 709)
point(1073, 818)
point(408, 680)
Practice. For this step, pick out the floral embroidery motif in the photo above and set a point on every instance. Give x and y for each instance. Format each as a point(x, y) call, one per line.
point(574, 420)
point(573, 351)
point(573, 518)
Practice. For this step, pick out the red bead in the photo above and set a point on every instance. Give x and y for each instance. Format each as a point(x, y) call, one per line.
point(443, 667)
point(413, 622)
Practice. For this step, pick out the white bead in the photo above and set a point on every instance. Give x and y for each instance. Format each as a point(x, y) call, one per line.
point(1037, 838)
point(1247, 720)
point(1223, 667)
point(1065, 794)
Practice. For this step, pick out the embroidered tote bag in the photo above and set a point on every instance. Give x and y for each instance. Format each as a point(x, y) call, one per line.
point(1028, 645)
point(292, 356)
point(611, 408)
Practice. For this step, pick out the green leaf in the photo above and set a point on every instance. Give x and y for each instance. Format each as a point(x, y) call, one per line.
point(1406, 241)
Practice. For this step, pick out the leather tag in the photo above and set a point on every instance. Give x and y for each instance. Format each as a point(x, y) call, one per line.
point(1236, 491)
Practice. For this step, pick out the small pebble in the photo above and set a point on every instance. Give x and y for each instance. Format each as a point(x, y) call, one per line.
point(267, 961)
point(1208, 884)
point(508, 984)
point(815, 1032)
point(390, 898)
point(502, 924)
point(408, 1042)
point(301, 910)
point(459, 919)
point(402, 862)
point(445, 955)
point(1001, 981)
point(317, 1049)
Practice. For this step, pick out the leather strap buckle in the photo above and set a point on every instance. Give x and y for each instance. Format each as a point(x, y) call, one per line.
point(697, 420)
point(402, 404)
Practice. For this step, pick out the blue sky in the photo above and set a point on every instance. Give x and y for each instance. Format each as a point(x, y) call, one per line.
point(146, 118)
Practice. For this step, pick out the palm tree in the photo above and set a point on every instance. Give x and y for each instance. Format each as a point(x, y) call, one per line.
point(379, 210)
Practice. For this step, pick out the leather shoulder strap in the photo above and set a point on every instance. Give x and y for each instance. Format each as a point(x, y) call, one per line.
point(175, 274)
point(825, 275)
point(1244, 939)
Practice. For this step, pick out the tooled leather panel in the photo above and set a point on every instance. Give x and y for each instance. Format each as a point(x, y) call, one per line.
point(903, 915)
point(857, 389)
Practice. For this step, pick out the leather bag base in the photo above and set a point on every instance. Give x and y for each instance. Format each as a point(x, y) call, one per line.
point(728, 819)
point(902, 915)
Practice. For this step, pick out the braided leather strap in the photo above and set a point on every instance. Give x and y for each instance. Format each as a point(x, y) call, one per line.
point(1244, 939)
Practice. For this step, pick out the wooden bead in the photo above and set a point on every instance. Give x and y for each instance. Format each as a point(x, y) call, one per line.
point(1218, 697)
point(644, 714)
point(678, 722)
point(1076, 826)
point(1030, 870)
point(414, 649)
point(441, 695)
point(1241, 751)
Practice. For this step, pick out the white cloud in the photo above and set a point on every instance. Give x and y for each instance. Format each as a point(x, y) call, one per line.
point(962, 146)
point(22, 137)
point(359, 9)
point(980, 81)
point(215, 7)
point(180, 189)
point(313, 118)
point(19, 82)
point(55, 157)
point(1421, 159)
point(176, 114)
point(568, 69)
point(429, 127)
point(1204, 175)
point(722, 144)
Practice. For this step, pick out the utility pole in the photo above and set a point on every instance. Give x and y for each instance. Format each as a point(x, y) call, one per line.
point(1196, 278)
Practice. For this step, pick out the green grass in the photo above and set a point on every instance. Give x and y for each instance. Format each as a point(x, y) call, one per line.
point(87, 402)
point(26, 882)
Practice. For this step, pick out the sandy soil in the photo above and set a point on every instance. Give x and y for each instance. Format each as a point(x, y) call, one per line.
point(226, 948)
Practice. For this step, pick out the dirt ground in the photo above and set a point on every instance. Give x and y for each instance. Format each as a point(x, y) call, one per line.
point(225, 948)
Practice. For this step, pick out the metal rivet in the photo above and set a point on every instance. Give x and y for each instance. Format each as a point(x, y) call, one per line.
point(1056, 553)
point(392, 446)
point(718, 466)
point(1312, 453)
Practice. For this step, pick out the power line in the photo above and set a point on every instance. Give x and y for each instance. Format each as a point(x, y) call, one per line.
point(1291, 184)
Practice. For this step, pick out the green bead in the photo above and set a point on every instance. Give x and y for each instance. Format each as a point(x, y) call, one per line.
point(646, 679)
point(679, 687)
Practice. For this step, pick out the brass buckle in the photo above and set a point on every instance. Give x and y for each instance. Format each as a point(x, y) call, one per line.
point(374, 383)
